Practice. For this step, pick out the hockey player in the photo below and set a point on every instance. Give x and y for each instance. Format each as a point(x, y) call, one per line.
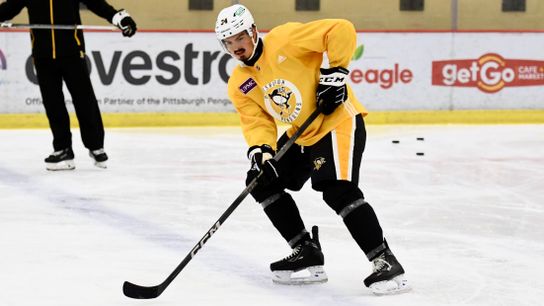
point(279, 77)
point(60, 55)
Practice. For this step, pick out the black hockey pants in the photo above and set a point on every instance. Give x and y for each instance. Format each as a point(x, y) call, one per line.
point(74, 72)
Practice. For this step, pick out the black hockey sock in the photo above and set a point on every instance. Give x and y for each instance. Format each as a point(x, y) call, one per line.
point(347, 200)
point(283, 212)
point(364, 227)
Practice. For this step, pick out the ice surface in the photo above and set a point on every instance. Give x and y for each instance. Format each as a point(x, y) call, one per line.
point(465, 220)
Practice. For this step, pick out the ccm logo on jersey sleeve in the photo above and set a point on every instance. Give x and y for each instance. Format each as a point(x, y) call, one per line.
point(247, 86)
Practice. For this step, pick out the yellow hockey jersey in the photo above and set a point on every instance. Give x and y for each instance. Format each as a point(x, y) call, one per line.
point(282, 84)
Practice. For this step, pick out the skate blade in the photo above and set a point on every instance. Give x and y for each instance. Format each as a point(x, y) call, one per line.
point(101, 165)
point(398, 284)
point(308, 276)
point(63, 165)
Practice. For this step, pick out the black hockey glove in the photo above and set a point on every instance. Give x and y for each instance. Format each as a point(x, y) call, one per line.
point(332, 90)
point(261, 160)
point(123, 21)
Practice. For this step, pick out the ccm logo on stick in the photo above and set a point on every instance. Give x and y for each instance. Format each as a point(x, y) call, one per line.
point(207, 236)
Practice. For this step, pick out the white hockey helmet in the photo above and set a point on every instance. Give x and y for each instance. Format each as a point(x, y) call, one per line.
point(233, 20)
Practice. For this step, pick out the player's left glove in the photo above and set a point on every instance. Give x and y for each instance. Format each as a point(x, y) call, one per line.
point(261, 160)
point(332, 90)
point(123, 21)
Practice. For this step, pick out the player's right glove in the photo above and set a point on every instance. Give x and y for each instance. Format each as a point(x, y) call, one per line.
point(261, 160)
point(331, 90)
point(123, 21)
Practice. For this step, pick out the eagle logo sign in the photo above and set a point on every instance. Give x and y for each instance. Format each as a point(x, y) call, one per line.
point(283, 100)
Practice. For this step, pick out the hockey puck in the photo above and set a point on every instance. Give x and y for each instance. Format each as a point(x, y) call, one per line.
point(395, 141)
point(420, 138)
point(420, 153)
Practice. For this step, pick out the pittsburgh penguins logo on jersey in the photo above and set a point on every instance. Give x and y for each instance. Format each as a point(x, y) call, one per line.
point(281, 96)
point(318, 162)
point(283, 100)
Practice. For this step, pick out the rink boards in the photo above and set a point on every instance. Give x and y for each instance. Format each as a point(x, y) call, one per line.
point(173, 78)
point(37, 120)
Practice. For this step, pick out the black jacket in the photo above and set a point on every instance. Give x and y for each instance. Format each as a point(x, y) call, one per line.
point(55, 43)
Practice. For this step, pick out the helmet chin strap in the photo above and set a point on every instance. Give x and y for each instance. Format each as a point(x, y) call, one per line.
point(250, 32)
point(255, 55)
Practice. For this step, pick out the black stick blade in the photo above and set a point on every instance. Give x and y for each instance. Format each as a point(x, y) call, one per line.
point(140, 292)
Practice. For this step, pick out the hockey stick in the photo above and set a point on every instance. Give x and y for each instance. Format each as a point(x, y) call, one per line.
point(142, 292)
point(56, 26)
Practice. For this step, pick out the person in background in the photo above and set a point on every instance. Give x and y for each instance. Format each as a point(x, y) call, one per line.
point(59, 55)
point(279, 78)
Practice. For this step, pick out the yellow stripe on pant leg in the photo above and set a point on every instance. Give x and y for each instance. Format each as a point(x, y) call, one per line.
point(343, 149)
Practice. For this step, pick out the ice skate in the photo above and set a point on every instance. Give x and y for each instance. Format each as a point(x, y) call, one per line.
point(306, 262)
point(388, 275)
point(100, 157)
point(60, 160)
